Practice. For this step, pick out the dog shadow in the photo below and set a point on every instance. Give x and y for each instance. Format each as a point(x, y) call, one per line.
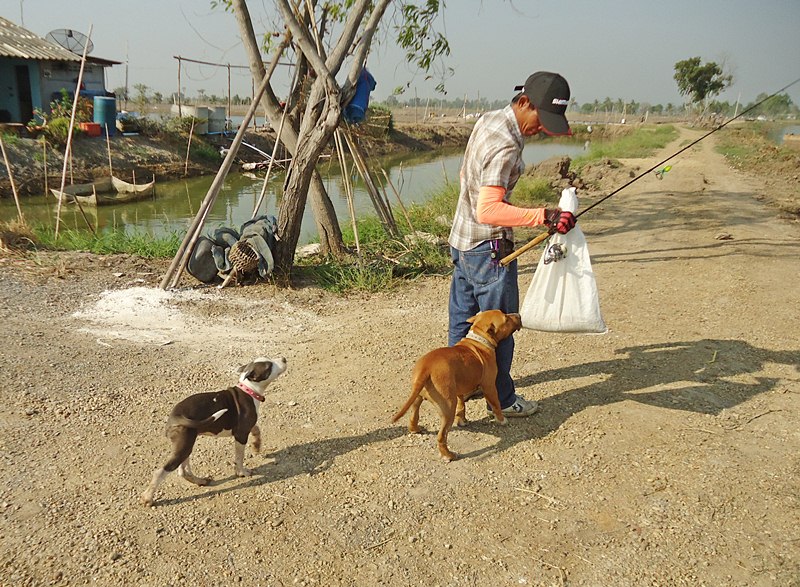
point(310, 458)
point(692, 376)
point(703, 376)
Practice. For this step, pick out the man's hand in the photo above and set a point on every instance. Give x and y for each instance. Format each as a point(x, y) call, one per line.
point(559, 220)
point(566, 222)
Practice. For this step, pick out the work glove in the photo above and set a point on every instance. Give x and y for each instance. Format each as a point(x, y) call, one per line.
point(559, 220)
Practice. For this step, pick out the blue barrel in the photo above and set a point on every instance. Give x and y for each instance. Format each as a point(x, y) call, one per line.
point(105, 113)
point(356, 110)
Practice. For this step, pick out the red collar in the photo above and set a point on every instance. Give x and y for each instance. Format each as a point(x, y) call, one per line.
point(250, 391)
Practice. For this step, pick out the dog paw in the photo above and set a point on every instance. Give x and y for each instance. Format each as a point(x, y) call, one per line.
point(244, 472)
point(461, 422)
point(146, 500)
point(450, 457)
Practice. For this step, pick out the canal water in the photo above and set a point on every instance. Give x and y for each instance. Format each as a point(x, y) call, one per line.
point(416, 178)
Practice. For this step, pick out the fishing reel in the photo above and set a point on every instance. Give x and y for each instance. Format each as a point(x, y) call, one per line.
point(554, 253)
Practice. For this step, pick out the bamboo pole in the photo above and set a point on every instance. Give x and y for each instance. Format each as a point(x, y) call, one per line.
point(11, 179)
point(68, 151)
point(188, 147)
point(399, 201)
point(275, 147)
point(108, 148)
point(348, 188)
point(44, 162)
point(384, 214)
point(269, 165)
point(185, 249)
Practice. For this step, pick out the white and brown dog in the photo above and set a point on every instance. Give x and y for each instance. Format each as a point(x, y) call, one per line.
point(230, 412)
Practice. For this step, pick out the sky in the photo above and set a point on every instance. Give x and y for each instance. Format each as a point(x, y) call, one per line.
point(622, 49)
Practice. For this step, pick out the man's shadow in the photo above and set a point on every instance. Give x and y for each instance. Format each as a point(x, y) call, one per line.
point(704, 376)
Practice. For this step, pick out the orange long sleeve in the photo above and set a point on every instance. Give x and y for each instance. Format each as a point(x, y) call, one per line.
point(492, 209)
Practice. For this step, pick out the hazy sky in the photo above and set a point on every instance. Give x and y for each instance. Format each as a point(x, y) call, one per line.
point(622, 49)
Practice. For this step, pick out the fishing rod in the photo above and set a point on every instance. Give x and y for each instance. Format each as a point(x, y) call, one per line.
point(528, 246)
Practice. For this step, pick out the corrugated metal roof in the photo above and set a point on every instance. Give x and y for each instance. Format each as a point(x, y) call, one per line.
point(16, 41)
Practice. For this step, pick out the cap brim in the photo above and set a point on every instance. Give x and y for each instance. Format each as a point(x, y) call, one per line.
point(555, 125)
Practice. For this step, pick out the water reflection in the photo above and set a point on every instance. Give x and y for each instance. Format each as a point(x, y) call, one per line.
point(175, 204)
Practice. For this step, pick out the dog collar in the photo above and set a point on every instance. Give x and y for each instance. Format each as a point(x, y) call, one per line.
point(250, 391)
point(480, 339)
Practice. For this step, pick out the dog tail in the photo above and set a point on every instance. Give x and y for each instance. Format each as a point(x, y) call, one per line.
point(186, 422)
point(419, 383)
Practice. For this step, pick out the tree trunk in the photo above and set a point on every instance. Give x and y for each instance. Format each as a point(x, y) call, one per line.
point(300, 174)
point(330, 233)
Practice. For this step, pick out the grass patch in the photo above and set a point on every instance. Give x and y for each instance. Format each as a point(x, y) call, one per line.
point(109, 241)
point(643, 142)
point(746, 146)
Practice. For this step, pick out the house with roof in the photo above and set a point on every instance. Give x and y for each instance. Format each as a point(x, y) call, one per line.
point(34, 70)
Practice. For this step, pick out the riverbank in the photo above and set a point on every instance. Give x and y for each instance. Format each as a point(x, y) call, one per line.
point(164, 155)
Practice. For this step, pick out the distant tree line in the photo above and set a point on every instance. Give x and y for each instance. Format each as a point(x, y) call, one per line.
point(699, 82)
point(779, 106)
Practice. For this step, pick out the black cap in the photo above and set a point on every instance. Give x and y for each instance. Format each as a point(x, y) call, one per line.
point(549, 94)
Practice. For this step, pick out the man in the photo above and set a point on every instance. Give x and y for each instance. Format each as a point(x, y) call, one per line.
point(482, 228)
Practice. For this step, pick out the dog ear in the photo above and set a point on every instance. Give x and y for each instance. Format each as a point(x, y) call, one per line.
point(256, 371)
point(472, 320)
point(248, 371)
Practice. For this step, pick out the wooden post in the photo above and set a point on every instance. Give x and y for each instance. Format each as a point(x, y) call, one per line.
point(188, 147)
point(180, 110)
point(11, 179)
point(228, 115)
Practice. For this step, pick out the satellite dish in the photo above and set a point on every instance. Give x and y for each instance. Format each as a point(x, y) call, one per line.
point(71, 40)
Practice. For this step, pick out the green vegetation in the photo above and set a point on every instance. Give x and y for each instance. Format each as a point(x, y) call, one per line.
point(109, 241)
point(641, 143)
point(385, 261)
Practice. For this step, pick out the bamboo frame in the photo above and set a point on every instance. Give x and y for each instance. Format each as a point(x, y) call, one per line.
point(68, 148)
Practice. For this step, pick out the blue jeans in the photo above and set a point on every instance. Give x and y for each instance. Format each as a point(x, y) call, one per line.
point(480, 283)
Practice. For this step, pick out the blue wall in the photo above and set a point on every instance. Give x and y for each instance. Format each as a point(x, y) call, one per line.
point(9, 92)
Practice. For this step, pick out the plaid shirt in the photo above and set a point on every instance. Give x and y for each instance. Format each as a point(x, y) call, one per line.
point(493, 158)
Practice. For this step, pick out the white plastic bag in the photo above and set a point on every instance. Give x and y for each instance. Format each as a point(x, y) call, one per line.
point(563, 294)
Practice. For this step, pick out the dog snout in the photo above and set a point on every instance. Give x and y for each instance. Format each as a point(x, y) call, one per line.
point(516, 320)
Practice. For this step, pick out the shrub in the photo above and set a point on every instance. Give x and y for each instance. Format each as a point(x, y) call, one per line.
point(57, 131)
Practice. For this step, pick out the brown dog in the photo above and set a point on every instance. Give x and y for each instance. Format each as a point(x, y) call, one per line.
point(447, 375)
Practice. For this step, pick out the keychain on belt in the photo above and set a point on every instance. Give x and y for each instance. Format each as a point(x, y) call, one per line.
point(496, 256)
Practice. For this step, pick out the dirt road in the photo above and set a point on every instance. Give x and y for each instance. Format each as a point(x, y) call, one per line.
point(665, 452)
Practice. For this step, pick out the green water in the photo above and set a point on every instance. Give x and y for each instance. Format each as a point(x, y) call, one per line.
point(175, 203)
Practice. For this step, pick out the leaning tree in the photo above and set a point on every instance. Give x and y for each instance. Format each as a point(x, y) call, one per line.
point(700, 81)
point(316, 101)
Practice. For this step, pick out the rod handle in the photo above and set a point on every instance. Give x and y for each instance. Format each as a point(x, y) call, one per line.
point(526, 247)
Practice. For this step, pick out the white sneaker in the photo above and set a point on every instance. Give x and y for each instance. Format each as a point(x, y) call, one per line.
point(519, 409)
